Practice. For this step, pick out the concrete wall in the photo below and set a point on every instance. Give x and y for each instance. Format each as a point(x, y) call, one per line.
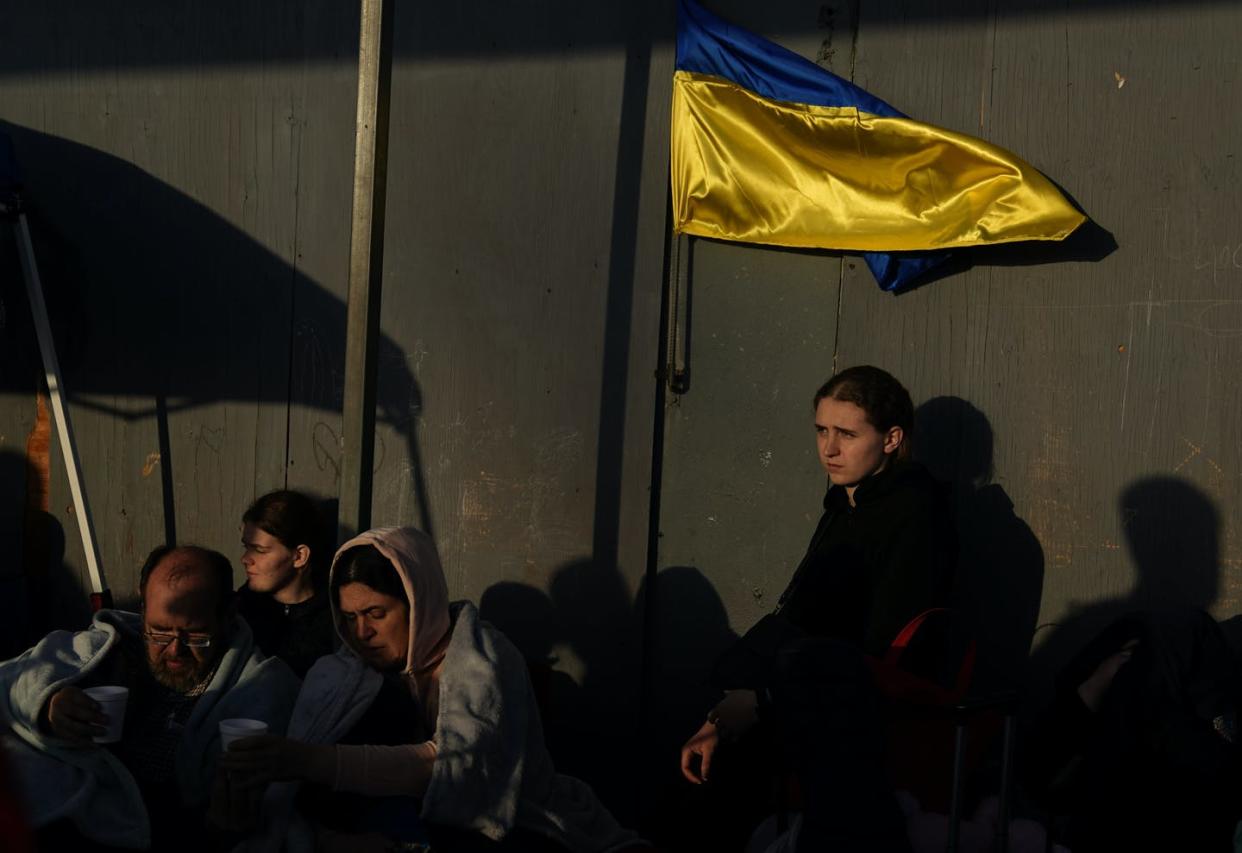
point(190, 212)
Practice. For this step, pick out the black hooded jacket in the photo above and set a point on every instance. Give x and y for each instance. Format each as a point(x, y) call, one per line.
point(298, 634)
point(874, 566)
point(869, 570)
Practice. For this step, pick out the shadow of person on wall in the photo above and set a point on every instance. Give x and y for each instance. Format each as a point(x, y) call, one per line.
point(687, 630)
point(526, 616)
point(581, 645)
point(588, 627)
point(38, 590)
point(1000, 562)
point(598, 637)
point(1172, 530)
point(17, 626)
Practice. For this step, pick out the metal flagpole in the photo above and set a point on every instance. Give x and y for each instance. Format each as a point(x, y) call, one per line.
point(366, 261)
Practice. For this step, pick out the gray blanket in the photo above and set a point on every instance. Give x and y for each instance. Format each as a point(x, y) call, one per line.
point(492, 771)
point(90, 785)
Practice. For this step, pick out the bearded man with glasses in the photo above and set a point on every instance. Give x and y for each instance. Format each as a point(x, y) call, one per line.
point(188, 662)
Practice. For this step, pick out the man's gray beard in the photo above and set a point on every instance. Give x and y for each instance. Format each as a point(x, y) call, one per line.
point(180, 682)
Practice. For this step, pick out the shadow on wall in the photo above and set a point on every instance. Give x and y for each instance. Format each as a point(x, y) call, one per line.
point(589, 625)
point(688, 630)
point(1090, 242)
point(527, 617)
point(246, 32)
point(37, 589)
point(160, 306)
point(1172, 530)
point(580, 644)
point(596, 628)
point(1000, 562)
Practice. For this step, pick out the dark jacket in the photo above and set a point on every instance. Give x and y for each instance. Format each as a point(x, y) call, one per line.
point(869, 570)
point(299, 634)
point(874, 566)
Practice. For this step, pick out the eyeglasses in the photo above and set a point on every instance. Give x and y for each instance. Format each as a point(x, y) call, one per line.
point(192, 641)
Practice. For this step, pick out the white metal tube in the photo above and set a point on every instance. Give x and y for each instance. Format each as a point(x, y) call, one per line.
point(64, 430)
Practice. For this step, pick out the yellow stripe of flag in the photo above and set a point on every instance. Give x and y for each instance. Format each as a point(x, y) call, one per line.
point(748, 168)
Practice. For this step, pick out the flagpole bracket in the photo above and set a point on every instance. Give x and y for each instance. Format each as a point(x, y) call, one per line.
point(676, 372)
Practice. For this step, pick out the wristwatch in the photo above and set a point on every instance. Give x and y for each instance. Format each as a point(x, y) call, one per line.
point(763, 707)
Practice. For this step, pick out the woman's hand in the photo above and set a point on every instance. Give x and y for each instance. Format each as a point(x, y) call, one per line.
point(253, 762)
point(233, 807)
point(703, 745)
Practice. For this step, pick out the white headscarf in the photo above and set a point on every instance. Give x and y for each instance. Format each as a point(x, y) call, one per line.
point(413, 555)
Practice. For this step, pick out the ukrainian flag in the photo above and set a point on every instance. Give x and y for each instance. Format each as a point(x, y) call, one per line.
point(767, 147)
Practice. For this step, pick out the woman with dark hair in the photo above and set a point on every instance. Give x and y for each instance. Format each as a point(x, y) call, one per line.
point(422, 727)
point(284, 598)
point(883, 550)
point(882, 553)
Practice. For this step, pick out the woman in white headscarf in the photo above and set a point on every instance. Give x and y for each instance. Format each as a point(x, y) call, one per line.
point(422, 727)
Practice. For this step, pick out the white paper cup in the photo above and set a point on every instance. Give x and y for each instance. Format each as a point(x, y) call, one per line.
point(112, 700)
point(236, 729)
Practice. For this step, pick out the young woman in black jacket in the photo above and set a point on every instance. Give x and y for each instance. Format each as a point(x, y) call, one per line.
point(882, 553)
point(284, 600)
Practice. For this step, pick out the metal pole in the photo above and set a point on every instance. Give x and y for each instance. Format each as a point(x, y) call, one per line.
point(101, 596)
point(1006, 789)
point(677, 373)
point(366, 262)
point(955, 796)
point(166, 477)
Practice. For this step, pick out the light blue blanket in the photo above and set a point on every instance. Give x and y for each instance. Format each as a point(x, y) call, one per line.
point(492, 771)
point(89, 785)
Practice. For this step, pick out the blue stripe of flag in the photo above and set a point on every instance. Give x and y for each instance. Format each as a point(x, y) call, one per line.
point(707, 44)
